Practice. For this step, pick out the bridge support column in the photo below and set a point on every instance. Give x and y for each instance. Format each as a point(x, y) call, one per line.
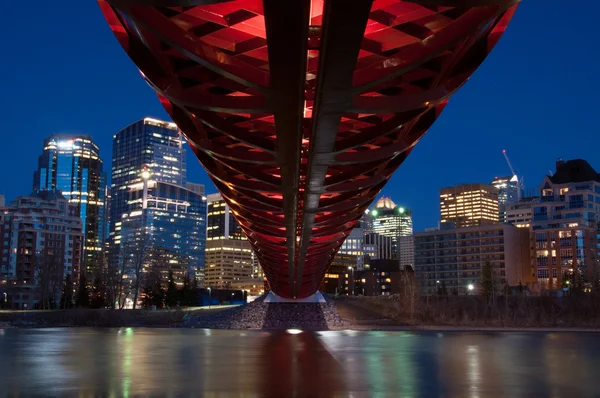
point(315, 298)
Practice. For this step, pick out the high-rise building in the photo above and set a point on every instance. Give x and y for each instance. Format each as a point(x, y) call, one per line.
point(147, 146)
point(220, 223)
point(469, 205)
point(454, 258)
point(41, 241)
point(230, 260)
point(394, 221)
point(71, 163)
point(167, 222)
point(379, 247)
point(508, 193)
point(196, 188)
point(520, 214)
point(353, 245)
point(565, 225)
point(2, 201)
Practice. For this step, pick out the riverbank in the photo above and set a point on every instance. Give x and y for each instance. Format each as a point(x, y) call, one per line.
point(384, 313)
point(104, 317)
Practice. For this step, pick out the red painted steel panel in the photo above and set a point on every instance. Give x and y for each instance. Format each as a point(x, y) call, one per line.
point(301, 126)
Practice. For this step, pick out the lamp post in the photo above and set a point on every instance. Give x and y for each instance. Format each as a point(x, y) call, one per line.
point(352, 279)
point(209, 297)
point(470, 288)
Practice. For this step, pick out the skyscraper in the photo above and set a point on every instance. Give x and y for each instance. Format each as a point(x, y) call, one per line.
point(166, 219)
point(71, 163)
point(508, 193)
point(220, 223)
point(148, 144)
point(396, 222)
point(230, 259)
point(151, 205)
point(469, 205)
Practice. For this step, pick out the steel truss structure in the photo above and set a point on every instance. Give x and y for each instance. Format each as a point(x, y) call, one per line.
point(301, 110)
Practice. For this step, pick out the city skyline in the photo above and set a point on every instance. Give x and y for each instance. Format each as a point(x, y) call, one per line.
point(514, 99)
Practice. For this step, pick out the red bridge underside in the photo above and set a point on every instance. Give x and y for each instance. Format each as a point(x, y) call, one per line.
point(301, 110)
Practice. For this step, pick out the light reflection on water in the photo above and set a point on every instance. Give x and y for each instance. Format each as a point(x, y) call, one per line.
point(139, 362)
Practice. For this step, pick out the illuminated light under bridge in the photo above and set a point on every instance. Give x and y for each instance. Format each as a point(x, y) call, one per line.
point(300, 111)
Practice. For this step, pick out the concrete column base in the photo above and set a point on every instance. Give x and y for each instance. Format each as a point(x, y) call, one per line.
point(315, 298)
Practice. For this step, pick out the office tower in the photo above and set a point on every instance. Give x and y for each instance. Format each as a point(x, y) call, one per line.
point(365, 222)
point(196, 188)
point(71, 163)
point(2, 201)
point(168, 223)
point(469, 205)
point(353, 246)
point(520, 214)
point(508, 193)
point(454, 257)
point(379, 247)
point(220, 223)
point(41, 241)
point(396, 222)
point(148, 145)
point(230, 260)
point(564, 229)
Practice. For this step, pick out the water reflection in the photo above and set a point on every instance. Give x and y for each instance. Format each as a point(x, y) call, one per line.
point(133, 362)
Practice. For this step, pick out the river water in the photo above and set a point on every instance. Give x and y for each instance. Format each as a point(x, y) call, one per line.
point(173, 362)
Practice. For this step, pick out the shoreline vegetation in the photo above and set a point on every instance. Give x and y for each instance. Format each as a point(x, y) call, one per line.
point(383, 313)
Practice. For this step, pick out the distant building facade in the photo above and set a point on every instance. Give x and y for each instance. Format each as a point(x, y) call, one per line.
point(41, 241)
point(394, 221)
point(520, 214)
point(230, 260)
point(170, 220)
point(148, 145)
point(354, 246)
point(229, 263)
point(221, 223)
point(565, 225)
point(508, 193)
point(454, 258)
point(152, 206)
point(379, 247)
point(72, 164)
point(469, 205)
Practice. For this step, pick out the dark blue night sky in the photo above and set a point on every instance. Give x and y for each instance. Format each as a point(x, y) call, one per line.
point(536, 95)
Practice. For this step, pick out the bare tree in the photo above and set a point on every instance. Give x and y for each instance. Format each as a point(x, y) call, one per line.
point(49, 279)
point(410, 291)
point(135, 257)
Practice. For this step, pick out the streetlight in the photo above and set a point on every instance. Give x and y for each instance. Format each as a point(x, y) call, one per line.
point(208, 297)
point(470, 287)
point(352, 284)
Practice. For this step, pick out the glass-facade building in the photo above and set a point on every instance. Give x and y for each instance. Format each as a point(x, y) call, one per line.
point(171, 219)
point(508, 193)
point(220, 223)
point(148, 144)
point(150, 195)
point(71, 164)
point(394, 221)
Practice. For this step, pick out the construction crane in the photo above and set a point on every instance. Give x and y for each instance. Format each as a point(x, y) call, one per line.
point(520, 181)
